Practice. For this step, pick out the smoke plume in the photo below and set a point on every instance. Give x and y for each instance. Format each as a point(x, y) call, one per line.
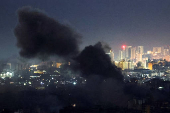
point(94, 61)
point(39, 35)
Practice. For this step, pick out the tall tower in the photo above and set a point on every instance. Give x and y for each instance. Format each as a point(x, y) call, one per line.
point(140, 49)
point(120, 55)
point(133, 53)
point(139, 53)
point(123, 52)
point(157, 50)
point(128, 52)
point(165, 50)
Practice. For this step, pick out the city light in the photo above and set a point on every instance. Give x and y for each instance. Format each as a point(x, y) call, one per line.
point(122, 64)
point(123, 47)
point(74, 83)
point(74, 105)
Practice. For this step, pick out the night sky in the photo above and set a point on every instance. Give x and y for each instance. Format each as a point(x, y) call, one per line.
point(116, 22)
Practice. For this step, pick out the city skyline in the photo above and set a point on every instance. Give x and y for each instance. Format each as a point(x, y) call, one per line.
point(130, 22)
point(57, 56)
point(129, 50)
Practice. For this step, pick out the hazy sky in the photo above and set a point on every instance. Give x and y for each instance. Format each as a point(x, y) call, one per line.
point(117, 22)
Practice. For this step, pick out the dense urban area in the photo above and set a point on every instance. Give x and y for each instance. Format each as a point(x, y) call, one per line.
point(84, 56)
point(52, 86)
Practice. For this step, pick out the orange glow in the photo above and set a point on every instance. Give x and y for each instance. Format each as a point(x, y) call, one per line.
point(150, 66)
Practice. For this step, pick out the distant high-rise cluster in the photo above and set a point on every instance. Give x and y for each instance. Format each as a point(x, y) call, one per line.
point(130, 57)
point(131, 53)
point(160, 53)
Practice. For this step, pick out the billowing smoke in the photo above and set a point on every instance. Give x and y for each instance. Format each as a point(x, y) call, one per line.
point(94, 61)
point(105, 47)
point(104, 85)
point(41, 36)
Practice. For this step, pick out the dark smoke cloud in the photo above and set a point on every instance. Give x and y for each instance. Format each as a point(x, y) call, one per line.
point(105, 47)
point(94, 61)
point(41, 36)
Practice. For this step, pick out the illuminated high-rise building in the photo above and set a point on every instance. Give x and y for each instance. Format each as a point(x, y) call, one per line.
point(140, 50)
point(123, 52)
point(165, 50)
point(125, 64)
point(138, 57)
point(120, 55)
point(111, 54)
point(128, 52)
point(167, 57)
point(139, 53)
point(157, 49)
point(133, 53)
